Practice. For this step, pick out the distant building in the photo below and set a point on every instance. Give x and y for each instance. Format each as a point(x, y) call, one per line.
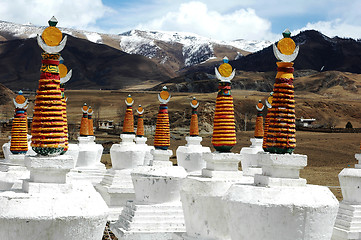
point(105, 124)
point(304, 122)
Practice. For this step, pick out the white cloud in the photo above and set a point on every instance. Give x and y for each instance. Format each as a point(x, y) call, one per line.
point(334, 28)
point(195, 17)
point(70, 13)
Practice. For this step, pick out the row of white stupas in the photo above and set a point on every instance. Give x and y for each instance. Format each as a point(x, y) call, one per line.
point(45, 195)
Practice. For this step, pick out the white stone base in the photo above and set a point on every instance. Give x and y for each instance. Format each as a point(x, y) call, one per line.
point(12, 178)
point(126, 154)
point(157, 211)
point(191, 157)
point(222, 165)
point(116, 188)
point(203, 207)
point(281, 170)
point(143, 221)
point(141, 145)
point(90, 153)
point(48, 208)
point(250, 158)
point(92, 174)
point(202, 197)
point(348, 222)
point(12, 172)
point(6, 150)
point(280, 213)
point(73, 151)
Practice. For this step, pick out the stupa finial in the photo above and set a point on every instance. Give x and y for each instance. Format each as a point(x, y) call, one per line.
point(48, 133)
point(193, 130)
point(51, 40)
point(84, 126)
point(128, 124)
point(90, 121)
point(162, 133)
point(281, 132)
point(164, 96)
point(258, 131)
point(286, 49)
point(224, 72)
point(53, 21)
point(140, 124)
point(224, 128)
point(268, 102)
point(19, 129)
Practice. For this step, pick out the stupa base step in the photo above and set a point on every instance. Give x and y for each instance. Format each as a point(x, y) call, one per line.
point(93, 175)
point(12, 176)
point(252, 171)
point(185, 236)
point(348, 222)
point(116, 188)
point(156, 221)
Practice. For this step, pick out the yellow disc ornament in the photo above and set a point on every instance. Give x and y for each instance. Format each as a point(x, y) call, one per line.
point(164, 95)
point(286, 45)
point(140, 109)
point(63, 70)
point(52, 36)
point(90, 110)
point(225, 69)
point(85, 108)
point(194, 102)
point(129, 99)
point(260, 105)
point(20, 99)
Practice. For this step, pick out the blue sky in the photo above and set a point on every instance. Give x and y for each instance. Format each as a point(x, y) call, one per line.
point(223, 20)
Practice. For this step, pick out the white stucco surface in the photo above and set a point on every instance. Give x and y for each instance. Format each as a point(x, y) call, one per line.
point(348, 221)
point(142, 146)
point(156, 212)
point(280, 213)
point(191, 156)
point(48, 208)
point(89, 152)
point(201, 197)
point(250, 160)
point(116, 187)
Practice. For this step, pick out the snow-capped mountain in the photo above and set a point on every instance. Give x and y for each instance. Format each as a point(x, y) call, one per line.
point(195, 49)
point(174, 50)
point(10, 31)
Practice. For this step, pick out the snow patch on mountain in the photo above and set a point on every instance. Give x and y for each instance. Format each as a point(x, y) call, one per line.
point(249, 45)
point(195, 49)
point(93, 37)
point(138, 45)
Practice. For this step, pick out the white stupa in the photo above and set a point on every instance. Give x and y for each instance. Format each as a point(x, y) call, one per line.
point(201, 196)
point(87, 166)
point(116, 187)
point(280, 205)
point(141, 140)
point(12, 168)
point(250, 165)
point(156, 212)
point(347, 225)
point(48, 207)
point(190, 156)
